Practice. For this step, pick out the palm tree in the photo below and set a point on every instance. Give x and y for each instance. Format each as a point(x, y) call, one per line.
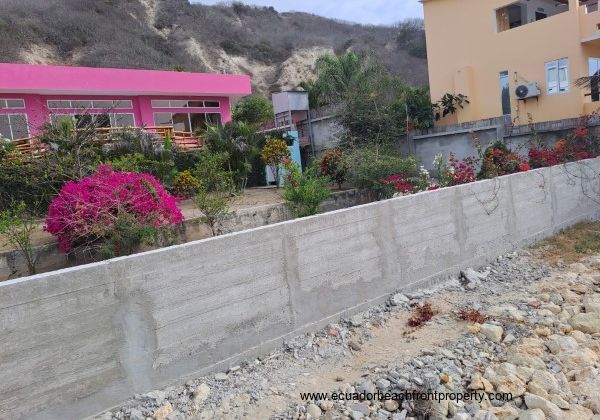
point(338, 75)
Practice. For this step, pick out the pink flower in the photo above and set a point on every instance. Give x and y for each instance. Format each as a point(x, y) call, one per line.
point(87, 210)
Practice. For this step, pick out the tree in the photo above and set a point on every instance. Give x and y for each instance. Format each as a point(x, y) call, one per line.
point(17, 225)
point(304, 191)
point(254, 109)
point(214, 207)
point(273, 155)
point(242, 144)
point(339, 75)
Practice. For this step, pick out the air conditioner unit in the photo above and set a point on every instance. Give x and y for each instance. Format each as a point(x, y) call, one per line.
point(528, 90)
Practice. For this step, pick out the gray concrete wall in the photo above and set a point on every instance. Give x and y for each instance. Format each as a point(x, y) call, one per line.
point(13, 264)
point(77, 341)
point(425, 144)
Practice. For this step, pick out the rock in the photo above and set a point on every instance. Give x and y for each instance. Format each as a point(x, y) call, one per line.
point(157, 396)
point(313, 410)
point(592, 303)
point(586, 322)
point(326, 405)
point(510, 384)
point(521, 359)
point(578, 358)
point(135, 414)
point(201, 393)
point(535, 414)
point(476, 382)
point(357, 320)
point(560, 403)
point(559, 343)
point(492, 332)
point(506, 412)
point(545, 380)
point(470, 279)
point(550, 409)
point(220, 376)
point(543, 332)
point(555, 309)
point(360, 408)
point(578, 336)
point(391, 405)
point(536, 389)
point(474, 329)
point(367, 387)
point(354, 345)
point(399, 299)
point(383, 384)
point(163, 412)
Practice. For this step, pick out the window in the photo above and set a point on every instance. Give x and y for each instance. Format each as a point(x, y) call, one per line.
point(178, 103)
point(557, 76)
point(594, 73)
point(591, 6)
point(188, 122)
point(505, 92)
point(14, 126)
point(12, 104)
point(95, 120)
point(89, 104)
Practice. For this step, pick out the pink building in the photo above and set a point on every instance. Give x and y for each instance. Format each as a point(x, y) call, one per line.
point(32, 95)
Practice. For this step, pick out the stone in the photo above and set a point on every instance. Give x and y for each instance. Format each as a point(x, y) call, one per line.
point(399, 299)
point(535, 414)
point(559, 343)
point(367, 387)
point(357, 320)
point(326, 405)
point(550, 409)
point(474, 329)
point(354, 345)
point(492, 332)
point(383, 384)
point(220, 376)
point(578, 336)
point(586, 322)
point(555, 309)
point(135, 414)
point(578, 358)
point(360, 408)
point(536, 389)
point(201, 393)
point(391, 405)
point(559, 401)
point(469, 278)
point(543, 331)
point(509, 384)
point(476, 382)
point(591, 303)
point(544, 380)
point(163, 412)
point(522, 359)
point(314, 411)
point(506, 412)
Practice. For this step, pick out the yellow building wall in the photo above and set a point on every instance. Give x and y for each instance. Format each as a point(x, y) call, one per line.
point(466, 55)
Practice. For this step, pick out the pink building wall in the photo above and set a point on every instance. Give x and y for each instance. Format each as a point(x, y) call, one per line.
point(37, 84)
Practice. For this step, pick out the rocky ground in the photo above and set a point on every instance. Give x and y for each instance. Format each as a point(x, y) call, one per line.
point(533, 331)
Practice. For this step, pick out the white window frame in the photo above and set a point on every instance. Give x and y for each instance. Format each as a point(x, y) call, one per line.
point(189, 114)
point(556, 66)
point(70, 101)
point(111, 117)
point(12, 99)
point(10, 126)
point(187, 106)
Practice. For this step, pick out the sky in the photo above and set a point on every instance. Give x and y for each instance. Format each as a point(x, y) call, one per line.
point(376, 12)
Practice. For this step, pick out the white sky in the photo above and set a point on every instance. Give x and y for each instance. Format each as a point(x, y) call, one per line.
point(378, 12)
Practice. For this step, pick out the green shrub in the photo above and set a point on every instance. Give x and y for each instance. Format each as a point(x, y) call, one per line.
point(304, 191)
point(254, 109)
point(17, 225)
point(185, 185)
point(164, 170)
point(335, 165)
point(212, 173)
point(214, 207)
point(370, 165)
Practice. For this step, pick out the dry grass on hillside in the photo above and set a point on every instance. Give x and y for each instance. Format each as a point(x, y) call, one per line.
point(572, 244)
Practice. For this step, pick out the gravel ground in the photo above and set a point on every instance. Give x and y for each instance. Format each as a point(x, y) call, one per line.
point(539, 341)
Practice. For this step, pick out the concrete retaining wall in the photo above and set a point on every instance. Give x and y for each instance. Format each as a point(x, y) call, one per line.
point(13, 264)
point(80, 340)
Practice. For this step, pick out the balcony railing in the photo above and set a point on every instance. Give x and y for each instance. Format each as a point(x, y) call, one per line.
point(184, 141)
point(589, 22)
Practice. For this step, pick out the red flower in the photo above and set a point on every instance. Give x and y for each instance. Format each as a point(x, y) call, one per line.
point(524, 167)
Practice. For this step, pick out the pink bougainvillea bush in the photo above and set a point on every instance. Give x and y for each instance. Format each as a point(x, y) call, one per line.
point(96, 208)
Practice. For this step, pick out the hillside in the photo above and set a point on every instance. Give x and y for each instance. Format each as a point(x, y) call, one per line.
point(277, 49)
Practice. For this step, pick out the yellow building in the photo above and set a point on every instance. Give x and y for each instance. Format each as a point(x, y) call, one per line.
point(487, 49)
